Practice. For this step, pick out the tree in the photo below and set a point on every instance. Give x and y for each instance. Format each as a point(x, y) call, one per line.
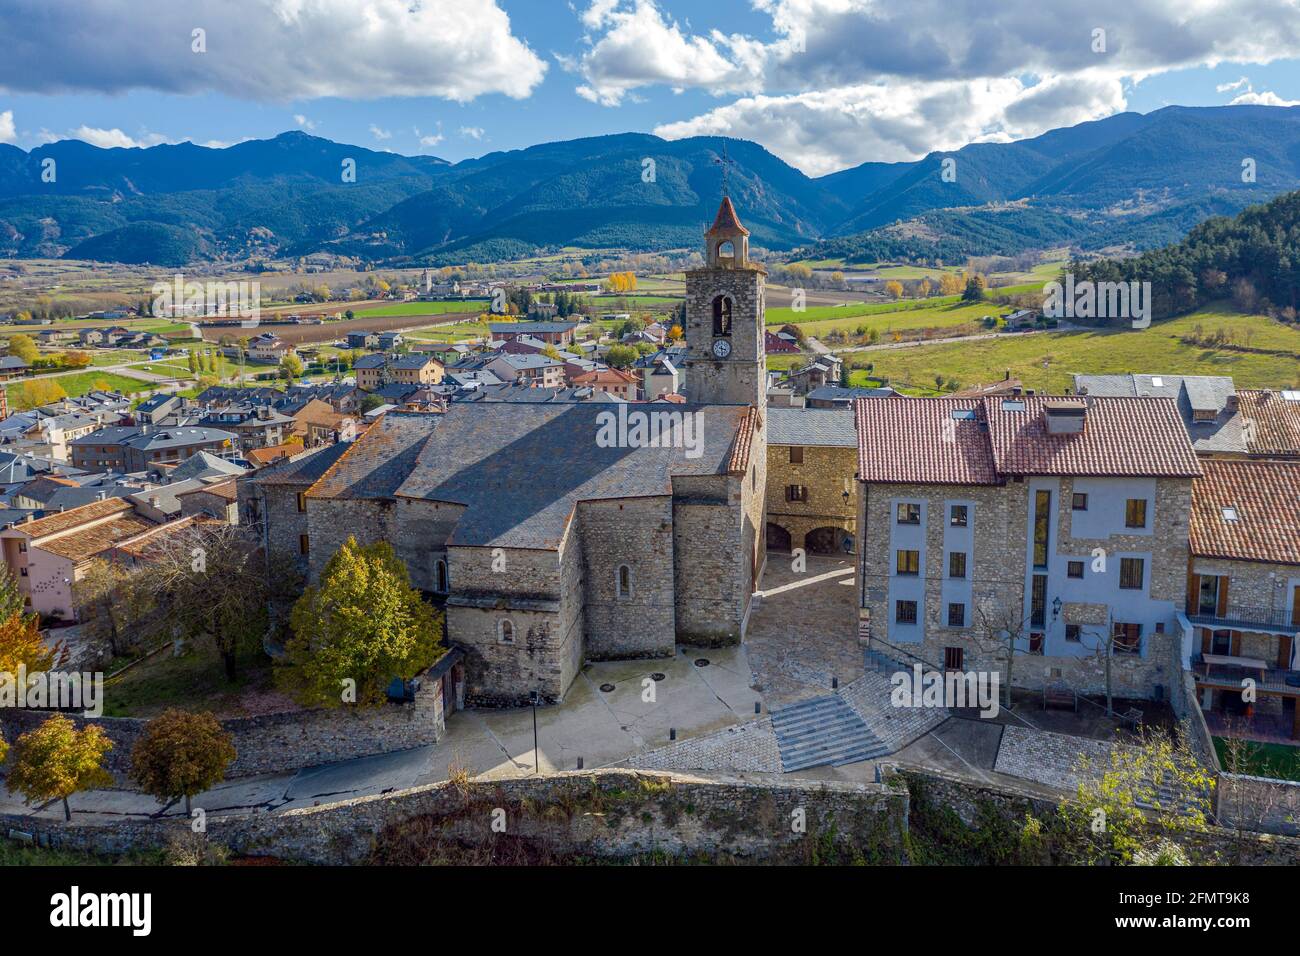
point(950, 283)
point(21, 645)
point(1107, 823)
point(107, 603)
point(206, 582)
point(76, 359)
point(290, 366)
point(180, 755)
point(894, 289)
point(999, 628)
point(621, 356)
point(22, 346)
point(38, 392)
point(56, 760)
point(975, 286)
point(364, 623)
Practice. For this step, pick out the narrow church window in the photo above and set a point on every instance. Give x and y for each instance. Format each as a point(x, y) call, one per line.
point(721, 315)
point(440, 577)
point(505, 632)
point(624, 581)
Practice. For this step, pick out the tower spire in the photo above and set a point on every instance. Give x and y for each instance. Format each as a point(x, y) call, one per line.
point(725, 162)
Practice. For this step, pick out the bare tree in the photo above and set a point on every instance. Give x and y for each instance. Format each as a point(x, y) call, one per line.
point(998, 630)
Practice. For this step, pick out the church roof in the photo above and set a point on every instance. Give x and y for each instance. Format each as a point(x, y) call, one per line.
point(726, 222)
point(520, 470)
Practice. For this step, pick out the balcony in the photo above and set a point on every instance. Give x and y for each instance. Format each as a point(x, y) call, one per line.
point(1273, 680)
point(1245, 618)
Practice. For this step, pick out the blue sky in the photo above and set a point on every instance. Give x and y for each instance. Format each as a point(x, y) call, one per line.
point(825, 84)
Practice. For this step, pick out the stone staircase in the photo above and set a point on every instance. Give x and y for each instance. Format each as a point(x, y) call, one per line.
point(821, 731)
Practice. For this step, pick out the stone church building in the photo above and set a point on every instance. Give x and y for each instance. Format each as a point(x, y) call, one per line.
point(560, 533)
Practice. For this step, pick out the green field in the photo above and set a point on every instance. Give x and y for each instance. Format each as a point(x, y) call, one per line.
point(448, 333)
point(469, 307)
point(822, 313)
point(84, 382)
point(1046, 361)
point(1281, 761)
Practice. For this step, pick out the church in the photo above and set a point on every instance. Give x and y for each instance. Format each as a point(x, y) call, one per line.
point(552, 537)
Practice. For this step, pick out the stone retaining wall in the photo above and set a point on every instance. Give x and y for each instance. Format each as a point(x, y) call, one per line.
point(604, 813)
point(274, 743)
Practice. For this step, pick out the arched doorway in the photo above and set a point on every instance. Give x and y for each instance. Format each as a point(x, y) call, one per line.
point(778, 539)
point(829, 540)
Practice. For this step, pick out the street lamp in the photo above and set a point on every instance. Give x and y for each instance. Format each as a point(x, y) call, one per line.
point(1056, 608)
point(537, 763)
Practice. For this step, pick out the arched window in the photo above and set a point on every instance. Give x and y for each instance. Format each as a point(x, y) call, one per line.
point(721, 315)
point(624, 581)
point(505, 631)
point(727, 248)
point(440, 576)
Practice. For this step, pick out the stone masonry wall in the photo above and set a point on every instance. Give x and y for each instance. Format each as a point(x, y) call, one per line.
point(274, 743)
point(826, 472)
point(605, 814)
point(712, 568)
point(638, 533)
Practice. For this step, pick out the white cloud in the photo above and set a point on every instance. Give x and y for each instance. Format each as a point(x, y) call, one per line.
point(7, 132)
point(844, 81)
point(1226, 87)
point(431, 140)
point(378, 133)
point(1261, 98)
point(270, 50)
point(822, 131)
point(303, 121)
point(472, 132)
point(112, 138)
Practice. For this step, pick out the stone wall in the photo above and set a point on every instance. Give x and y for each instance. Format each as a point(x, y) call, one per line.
point(274, 743)
point(605, 814)
point(638, 533)
point(741, 378)
point(1258, 803)
point(826, 472)
point(712, 566)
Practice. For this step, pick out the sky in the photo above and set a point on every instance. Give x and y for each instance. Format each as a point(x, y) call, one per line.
point(824, 84)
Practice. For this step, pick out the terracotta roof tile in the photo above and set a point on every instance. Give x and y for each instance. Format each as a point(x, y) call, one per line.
point(1264, 521)
point(726, 221)
point(1121, 437)
point(73, 517)
point(85, 543)
point(924, 440)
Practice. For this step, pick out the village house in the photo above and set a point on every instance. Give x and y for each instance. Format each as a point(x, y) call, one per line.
point(558, 334)
point(538, 371)
point(127, 448)
point(1243, 596)
point(1058, 525)
point(812, 499)
point(611, 381)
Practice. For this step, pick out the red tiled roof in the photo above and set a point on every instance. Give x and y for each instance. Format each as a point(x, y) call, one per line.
point(726, 221)
point(919, 440)
point(738, 463)
point(1121, 437)
point(966, 441)
point(74, 517)
point(1265, 496)
point(1271, 422)
point(84, 543)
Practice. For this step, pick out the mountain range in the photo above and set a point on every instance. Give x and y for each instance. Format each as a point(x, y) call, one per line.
point(1136, 180)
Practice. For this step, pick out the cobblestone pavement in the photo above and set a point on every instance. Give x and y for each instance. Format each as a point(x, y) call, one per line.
point(869, 696)
point(1054, 760)
point(804, 633)
point(744, 748)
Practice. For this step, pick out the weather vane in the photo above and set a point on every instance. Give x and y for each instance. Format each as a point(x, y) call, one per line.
point(725, 162)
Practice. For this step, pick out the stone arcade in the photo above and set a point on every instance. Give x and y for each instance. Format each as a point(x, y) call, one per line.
point(549, 546)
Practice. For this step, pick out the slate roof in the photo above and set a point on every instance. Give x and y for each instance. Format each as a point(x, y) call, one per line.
point(1265, 498)
point(373, 360)
point(520, 470)
point(837, 393)
point(985, 440)
point(202, 464)
point(812, 426)
point(528, 328)
point(301, 469)
point(1273, 421)
point(1192, 393)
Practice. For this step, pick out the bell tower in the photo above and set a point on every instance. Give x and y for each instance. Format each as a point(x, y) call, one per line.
point(726, 362)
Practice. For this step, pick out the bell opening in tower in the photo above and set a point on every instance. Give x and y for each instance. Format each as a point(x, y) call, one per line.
point(721, 315)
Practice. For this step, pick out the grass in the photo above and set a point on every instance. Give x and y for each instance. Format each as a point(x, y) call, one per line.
point(195, 681)
point(470, 306)
point(22, 854)
point(448, 333)
point(1280, 761)
point(820, 313)
point(83, 382)
point(1047, 361)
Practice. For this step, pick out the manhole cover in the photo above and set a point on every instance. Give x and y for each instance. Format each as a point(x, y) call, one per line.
point(606, 688)
point(656, 676)
point(701, 662)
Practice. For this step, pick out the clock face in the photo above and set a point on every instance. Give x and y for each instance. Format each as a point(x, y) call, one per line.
point(721, 348)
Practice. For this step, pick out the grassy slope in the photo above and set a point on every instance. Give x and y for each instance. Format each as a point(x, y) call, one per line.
point(84, 382)
point(1047, 361)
